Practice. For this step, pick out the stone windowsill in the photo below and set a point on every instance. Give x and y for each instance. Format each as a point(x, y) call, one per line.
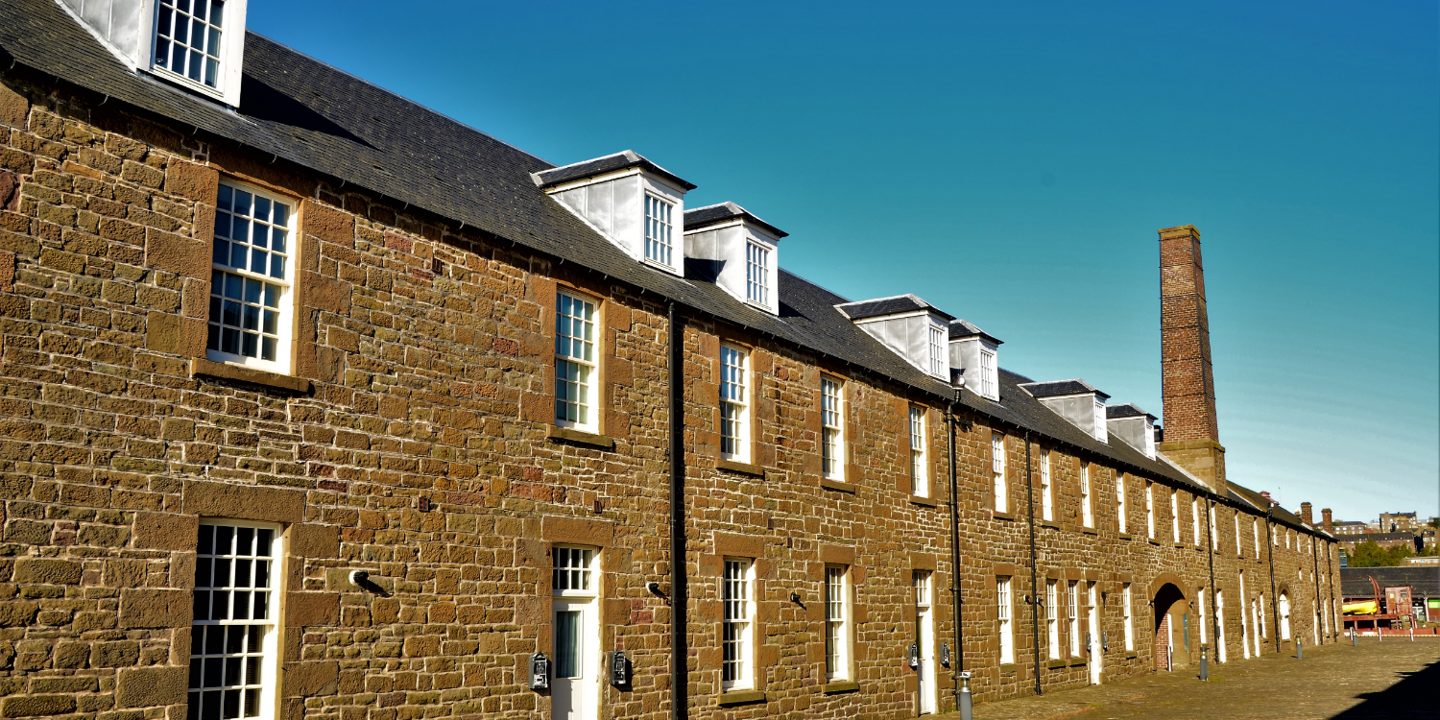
point(1131, 654)
point(922, 500)
point(740, 697)
point(1053, 664)
point(1009, 667)
point(580, 437)
point(839, 485)
point(1089, 530)
point(1077, 661)
point(840, 686)
point(1002, 515)
point(1179, 544)
point(202, 367)
point(1125, 536)
point(741, 468)
point(1049, 524)
point(1154, 542)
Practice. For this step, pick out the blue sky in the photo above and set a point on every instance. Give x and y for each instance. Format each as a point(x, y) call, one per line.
point(1011, 164)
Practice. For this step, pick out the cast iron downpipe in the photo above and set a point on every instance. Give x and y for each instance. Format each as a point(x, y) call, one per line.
point(958, 656)
point(1210, 555)
point(1274, 598)
point(679, 647)
point(1335, 622)
point(1034, 574)
point(1316, 572)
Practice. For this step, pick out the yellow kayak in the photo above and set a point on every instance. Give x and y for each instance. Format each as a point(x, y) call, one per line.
point(1363, 607)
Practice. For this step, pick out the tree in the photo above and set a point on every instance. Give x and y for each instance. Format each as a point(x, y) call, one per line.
point(1370, 554)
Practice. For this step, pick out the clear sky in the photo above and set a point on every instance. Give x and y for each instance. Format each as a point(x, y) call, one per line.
point(1011, 162)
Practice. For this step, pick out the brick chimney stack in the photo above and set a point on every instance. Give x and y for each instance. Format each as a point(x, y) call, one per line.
point(1192, 435)
point(1307, 514)
point(1328, 522)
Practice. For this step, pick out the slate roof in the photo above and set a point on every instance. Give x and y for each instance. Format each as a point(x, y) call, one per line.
point(964, 328)
point(721, 212)
point(599, 166)
point(880, 307)
point(1125, 410)
point(1057, 388)
point(303, 111)
point(1423, 581)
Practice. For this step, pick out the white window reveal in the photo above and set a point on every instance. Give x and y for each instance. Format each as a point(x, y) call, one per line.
point(757, 273)
point(233, 641)
point(1195, 520)
point(1003, 616)
point(832, 439)
point(1175, 514)
point(1052, 617)
point(837, 616)
point(939, 360)
point(1129, 619)
point(1150, 510)
point(659, 229)
point(1047, 492)
point(1072, 616)
point(997, 468)
point(738, 632)
point(575, 362)
point(1087, 514)
point(252, 267)
point(919, 478)
point(734, 404)
point(1120, 502)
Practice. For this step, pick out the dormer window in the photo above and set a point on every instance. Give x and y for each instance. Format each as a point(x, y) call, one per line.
point(976, 352)
point(1100, 431)
point(1132, 425)
point(1076, 401)
point(989, 374)
point(188, 36)
point(938, 361)
point(908, 326)
point(757, 273)
point(658, 227)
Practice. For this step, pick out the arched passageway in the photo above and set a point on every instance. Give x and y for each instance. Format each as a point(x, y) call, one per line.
point(1172, 644)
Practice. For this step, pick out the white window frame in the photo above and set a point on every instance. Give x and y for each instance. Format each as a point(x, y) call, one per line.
point(1203, 632)
point(1129, 619)
point(1087, 513)
point(266, 681)
point(1052, 617)
point(1120, 507)
point(737, 597)
point(1175, 515)
point(1072, 614)
point(837, 623)
point(989, 374)
point(1255, 529)
point(1001, 485)
point(1004, 617)
point(832, 428)
point(1195, 519)
point(939, 358)
point(1214, 532)
point(566, 573)
point(1047, 490)
point(919, 463)
point(284, 307)
point(1264, 631)
point(1239, 549)
point(659, 231)
point(585, 361)
point(231, 55)
point(1150, 509)
point(757, 274)
point(735, 394)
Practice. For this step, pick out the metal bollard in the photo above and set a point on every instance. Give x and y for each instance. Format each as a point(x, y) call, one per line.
point(1299, 649)
point(1354, 638)
point(967, 711)
point(1204, 665)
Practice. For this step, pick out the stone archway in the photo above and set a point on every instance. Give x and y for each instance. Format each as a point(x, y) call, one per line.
point(1171, 627)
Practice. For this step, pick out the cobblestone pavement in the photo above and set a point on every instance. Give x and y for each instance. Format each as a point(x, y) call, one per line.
point(1390, 679)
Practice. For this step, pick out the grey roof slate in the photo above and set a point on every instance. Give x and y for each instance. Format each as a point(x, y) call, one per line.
point(623, 160)
point(1056, 388)
point(880, 307)
point(303, 111)
point(721, 212)
point(1125, 410)
point(962, 328)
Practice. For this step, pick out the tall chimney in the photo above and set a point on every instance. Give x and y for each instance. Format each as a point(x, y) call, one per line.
point(1192, 436)
point(1307, 514)
point(1329, 521)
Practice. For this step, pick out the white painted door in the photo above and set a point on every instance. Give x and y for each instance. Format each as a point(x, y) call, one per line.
point(1284, 616)
point(575, 691)
point(925, 637)
point(1097, 651)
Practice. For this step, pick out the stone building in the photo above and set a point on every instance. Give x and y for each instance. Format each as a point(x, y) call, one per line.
point(317, 403)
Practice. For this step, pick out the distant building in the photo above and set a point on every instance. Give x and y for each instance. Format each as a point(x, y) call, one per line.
point(1394, 522)
point(1351, 527)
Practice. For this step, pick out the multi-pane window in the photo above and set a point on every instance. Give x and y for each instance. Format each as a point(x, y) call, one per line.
point(1255, 530)
point(188, 36)
point(1260, 619)
point(837, 612)
point(250, 279)
point(832, 438)
point(1100, 429)
point(658, 228)
point(1052, 617)
point(574, 361)
point(734, 404)
point(1087, 515)
point(1201, 597)
point(1003, 615)
point(919, 480)
point(1175, 514)
point(939, 362)
point(233, 640)
point(757, 273)
point(997, 468)
point(1238, 549)
point(1150, 510)
point(1195, 520)
point(1120, 502)
point(737, 641)
point(1214, 535)
point(989, 375)
point(1072, 615)
point(573, 571)
point(1129, 619)
point(1047, 493)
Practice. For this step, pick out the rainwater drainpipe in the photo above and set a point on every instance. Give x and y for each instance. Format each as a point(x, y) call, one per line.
point(1034, 573)
point(1210, 554)
point(959, 654)
point(1335, 622)
point(1316, 573)
point(679, 649)
point(1274, 599)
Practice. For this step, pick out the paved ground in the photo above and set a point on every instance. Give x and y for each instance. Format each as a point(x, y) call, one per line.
point(1390, 679)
